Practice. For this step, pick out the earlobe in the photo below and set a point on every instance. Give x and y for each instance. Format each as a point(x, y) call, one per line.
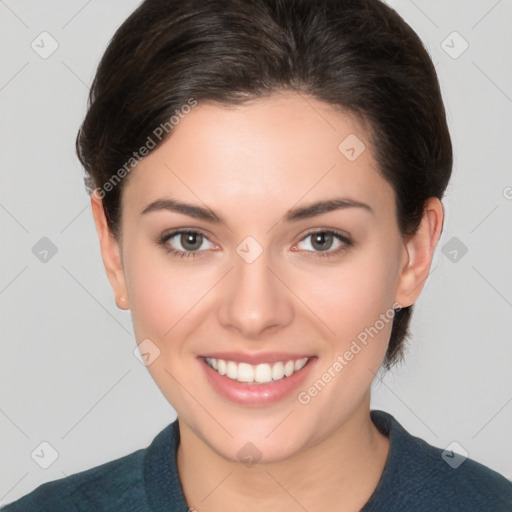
point(110, 253)
point(418, 253)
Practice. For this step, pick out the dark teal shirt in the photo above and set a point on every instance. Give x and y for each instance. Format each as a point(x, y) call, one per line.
point(417, 478)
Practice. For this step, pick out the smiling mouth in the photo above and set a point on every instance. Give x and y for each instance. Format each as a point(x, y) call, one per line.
point(263, 373)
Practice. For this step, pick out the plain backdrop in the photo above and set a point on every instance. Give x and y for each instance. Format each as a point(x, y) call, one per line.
point(68, 374)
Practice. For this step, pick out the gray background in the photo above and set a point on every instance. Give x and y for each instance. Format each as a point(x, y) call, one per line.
point(68, 374)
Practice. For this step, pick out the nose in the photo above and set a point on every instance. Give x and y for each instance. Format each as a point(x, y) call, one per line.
point(255, 301)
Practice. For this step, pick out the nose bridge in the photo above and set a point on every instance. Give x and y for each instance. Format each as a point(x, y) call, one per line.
point(255, 299)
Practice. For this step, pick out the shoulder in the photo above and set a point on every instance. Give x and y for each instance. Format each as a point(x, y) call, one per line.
point(115, 485)
point(426, 478)
point(455, 482)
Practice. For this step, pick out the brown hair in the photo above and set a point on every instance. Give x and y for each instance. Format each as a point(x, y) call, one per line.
point(356, 55)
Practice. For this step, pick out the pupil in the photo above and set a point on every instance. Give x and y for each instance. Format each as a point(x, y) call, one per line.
point(188, 239)
point(323, 239)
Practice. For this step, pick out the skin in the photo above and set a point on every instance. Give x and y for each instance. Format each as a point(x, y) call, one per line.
point(250, 165)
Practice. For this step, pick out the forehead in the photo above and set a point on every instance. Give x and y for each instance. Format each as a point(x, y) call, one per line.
point(277, 150)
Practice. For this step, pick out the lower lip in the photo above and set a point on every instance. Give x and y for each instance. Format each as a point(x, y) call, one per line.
point(255, 394)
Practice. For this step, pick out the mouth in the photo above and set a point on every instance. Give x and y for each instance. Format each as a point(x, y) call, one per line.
point(256, 380)
point(262, 373)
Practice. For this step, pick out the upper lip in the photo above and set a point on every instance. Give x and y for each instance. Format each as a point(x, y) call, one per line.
point(256, 358)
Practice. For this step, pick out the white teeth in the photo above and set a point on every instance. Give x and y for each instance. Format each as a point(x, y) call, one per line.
point(300, 364)
point(245, 373)
point(222, 367)
point(260, 373)
point(263, 373)
point(289, 368)
point(232, 370)
point(278, 371)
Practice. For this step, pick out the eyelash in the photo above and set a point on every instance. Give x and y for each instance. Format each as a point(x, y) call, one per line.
point(162, 241)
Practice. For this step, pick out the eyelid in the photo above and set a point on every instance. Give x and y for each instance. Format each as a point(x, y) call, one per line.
point(345, 240)
point(162, 242)
point(334, 231)
point(166, 236)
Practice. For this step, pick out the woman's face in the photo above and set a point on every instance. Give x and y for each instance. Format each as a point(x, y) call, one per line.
point(266, 277)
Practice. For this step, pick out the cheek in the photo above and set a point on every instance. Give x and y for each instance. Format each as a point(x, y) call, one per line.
point(165, 303)
point(351, 296)
point(355, 300)
point(164, 296)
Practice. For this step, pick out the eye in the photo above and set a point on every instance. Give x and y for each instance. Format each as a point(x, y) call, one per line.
point(191, 242)
point(186, 243)
point(323, 242)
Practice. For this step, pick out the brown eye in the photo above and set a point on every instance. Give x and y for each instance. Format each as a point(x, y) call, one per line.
point(322, 241)
point(191, 241)
point(185, 243)
point(328, 242)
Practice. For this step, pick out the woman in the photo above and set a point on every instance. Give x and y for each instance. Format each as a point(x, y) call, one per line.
point(266, 180)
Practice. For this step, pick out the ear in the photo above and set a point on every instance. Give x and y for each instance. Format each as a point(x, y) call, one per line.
point(419, 252)
point(110, 253)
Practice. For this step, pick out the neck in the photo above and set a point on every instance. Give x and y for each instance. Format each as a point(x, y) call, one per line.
point(344, 468)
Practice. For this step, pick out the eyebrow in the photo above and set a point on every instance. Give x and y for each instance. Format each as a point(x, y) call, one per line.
point(292, 215)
